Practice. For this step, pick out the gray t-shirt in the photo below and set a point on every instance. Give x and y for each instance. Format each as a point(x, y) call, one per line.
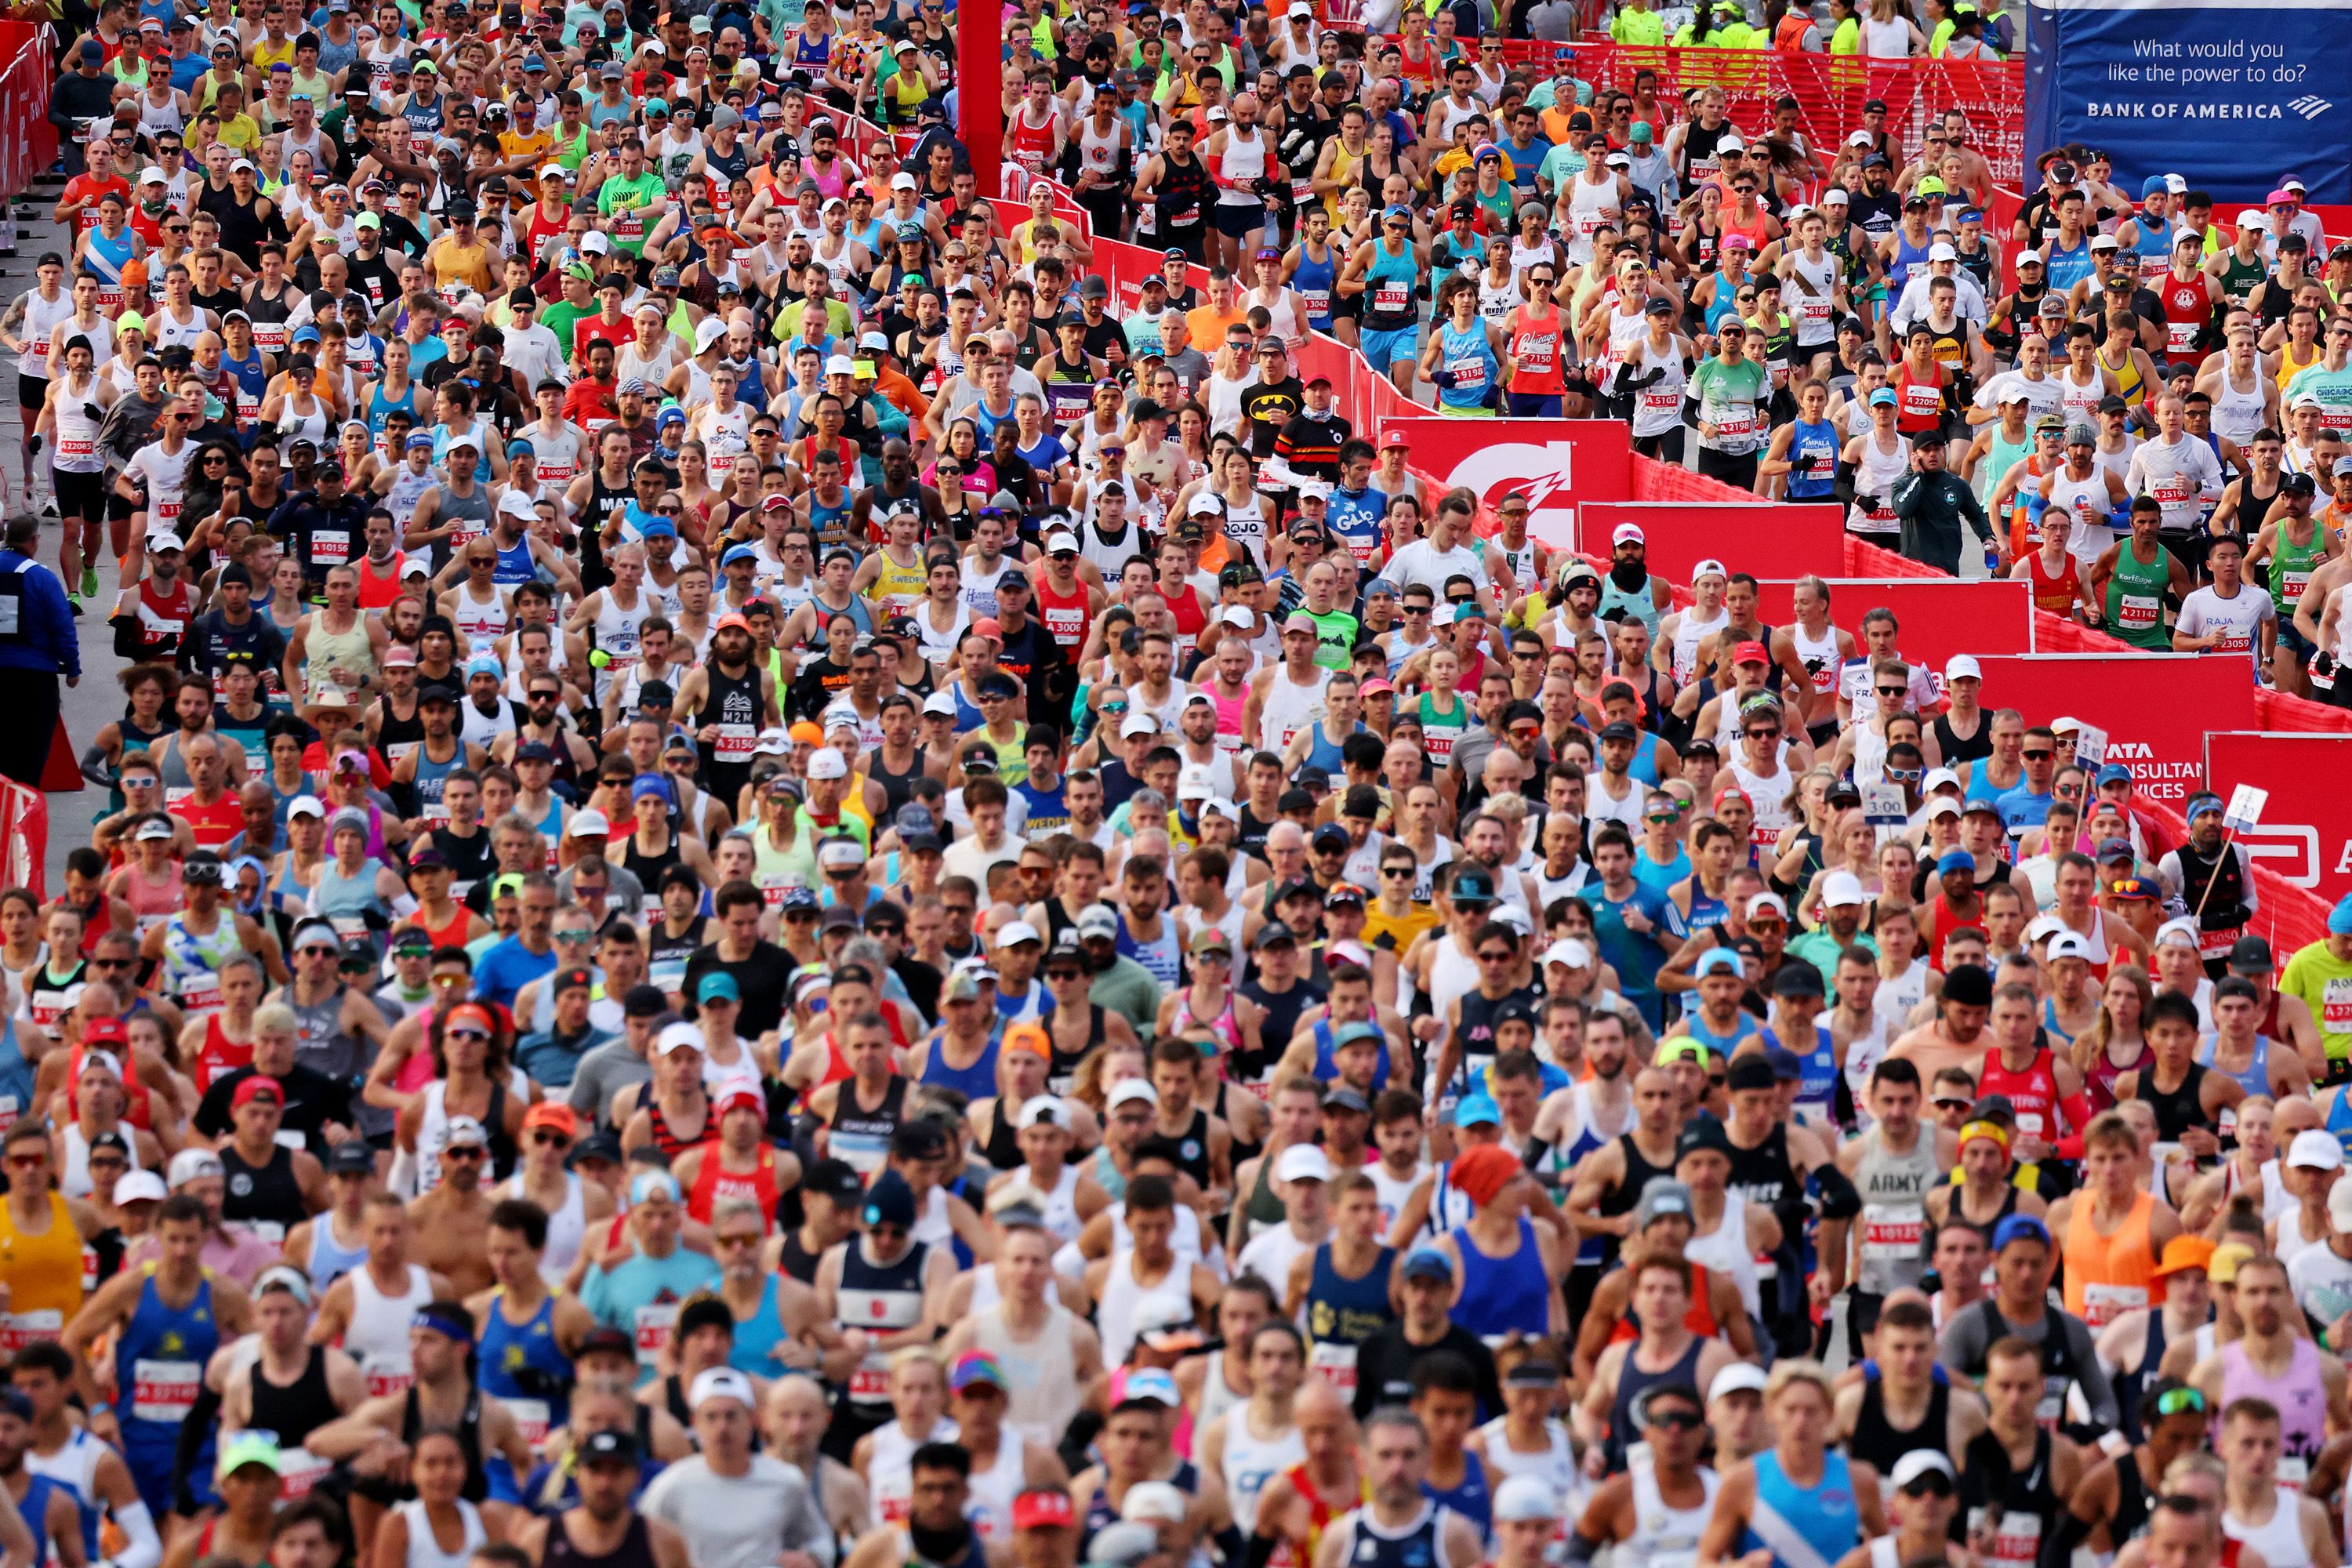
point(1965, 1340)
point(603, 1073)
point(740, 1521)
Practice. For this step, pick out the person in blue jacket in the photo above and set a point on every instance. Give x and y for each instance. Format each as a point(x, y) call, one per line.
point(37, 644)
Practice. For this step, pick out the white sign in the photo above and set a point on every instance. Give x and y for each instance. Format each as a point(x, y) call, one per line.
point(2245, 807)
point(1883, 805)
point(2090, 745)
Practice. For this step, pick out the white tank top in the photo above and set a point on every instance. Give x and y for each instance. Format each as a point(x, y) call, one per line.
point(2086, 500)
point(1889, 41)
point(1658, 408)
point(1814, 315)
point(40, 315)
point(2280, 1540)
point(1689, 632)
point(2238, 415)
point(1877, 473)
point(1244, 163)
point(566, 1228)
point(1395, 1191)
point(1497, 300)
point(76, 1183)
point(171, 333)
point(1121, 1295)
point(1291, 707)
point(377, 1335)
point(479, 625)
point(1554, 1465)
point(1667, 1537)
point(1252, 1461)
point(424, 1551)
point(1098, 154)
point(557, 455)
point(890, 1466)
point(1586, 204)
point(989, 1503)
point(1723, 1250)
point(2081, 403)
point(77, 450)
point(1819, 657)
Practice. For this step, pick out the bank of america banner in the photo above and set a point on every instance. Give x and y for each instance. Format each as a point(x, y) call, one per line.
point(2234, 97)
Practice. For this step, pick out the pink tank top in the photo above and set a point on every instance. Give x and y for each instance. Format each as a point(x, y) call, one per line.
point(1229, 717)
point(2298, 1397)
point(150, 902)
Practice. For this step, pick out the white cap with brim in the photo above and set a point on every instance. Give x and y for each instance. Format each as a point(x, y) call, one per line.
point(1739, 1377)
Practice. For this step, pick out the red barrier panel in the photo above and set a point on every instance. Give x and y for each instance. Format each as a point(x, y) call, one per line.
point(1939, 617)
point(2305, 834)
point(31, 142)
point(1559, 463)
point(25, 818)
point(2155, 707)
point(1654, 480)
point(1798, 539)
point(2277, 710)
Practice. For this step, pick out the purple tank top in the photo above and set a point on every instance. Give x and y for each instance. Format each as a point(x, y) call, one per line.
point(2299, 1397)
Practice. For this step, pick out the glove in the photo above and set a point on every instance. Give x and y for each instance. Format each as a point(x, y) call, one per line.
point(1866, 502)
point(1442, 377)
point(92, 411)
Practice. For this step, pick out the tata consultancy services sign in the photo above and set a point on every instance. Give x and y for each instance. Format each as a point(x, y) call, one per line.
point(2233, 95)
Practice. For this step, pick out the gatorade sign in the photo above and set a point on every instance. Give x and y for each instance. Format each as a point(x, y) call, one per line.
point(1558, 464)
point(2304, 829)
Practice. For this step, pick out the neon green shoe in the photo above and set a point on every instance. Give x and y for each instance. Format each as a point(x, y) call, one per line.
point(90, 581)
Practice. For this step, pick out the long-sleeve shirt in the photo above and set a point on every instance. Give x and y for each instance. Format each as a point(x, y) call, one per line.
point(1930, 507)
point(47, 640)
point(2184, 474)
point(1968, 1337)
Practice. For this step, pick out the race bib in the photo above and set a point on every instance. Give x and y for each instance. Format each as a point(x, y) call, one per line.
point(870, 1384)
point(1468, 374)
point(18, 1330)
point(67, 448)
point(655, 1326)
point(531, 1418)
point(269, 336)
point(387, 1371)
point(2335, 1007)
point(2016, 1536)
point(734, 742)
point(164, 1390)
point(2138, 612)
point(1393, 299)
point(1891, 1234)
point(1335, 1364)
point(299, 1470)
point(2102, 1304)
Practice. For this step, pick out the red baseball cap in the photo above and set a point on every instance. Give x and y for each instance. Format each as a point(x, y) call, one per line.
point(740, 1097)
point(1043, 1508)
point(105, 1032)
point(252, 1089)
point(1751, 653)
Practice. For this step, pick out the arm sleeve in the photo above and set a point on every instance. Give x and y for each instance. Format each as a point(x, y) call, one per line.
point(2096, 1390)
point(805, 1529)
point(192, 1433)
point(142, 1548)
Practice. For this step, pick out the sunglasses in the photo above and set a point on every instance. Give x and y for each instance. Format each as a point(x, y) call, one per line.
point(549, 1140)
point(2039, 756)
point(1677, 1420)
point(1500, 955)
point(467, 1035)
point(2173, 1401)
point(463, 1151)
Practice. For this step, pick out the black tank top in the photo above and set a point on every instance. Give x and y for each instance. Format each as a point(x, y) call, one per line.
point(1062, 1064)
point(604, 502)
point(870, 1127)
point(648, 868)
point(1633, 1382)
point(636, 1550)
point(733, 699)
point(1002, 1150)
point(1192, 1149)
point(268, 1192)
point(668, 1141)
point(1872, 1434)
point(1639, 1174)
point(1954, 749)
point(392, 730)
point(469, 1438)
point(797, 1260)
point(1989, 1480)
point(1281, 1010)
point(2178, 1110)
point(298, 1409)
point(897, 788)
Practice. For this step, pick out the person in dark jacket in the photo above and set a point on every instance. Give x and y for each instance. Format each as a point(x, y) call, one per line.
point(81, 95)
point(1932, 503)
point(37, 644)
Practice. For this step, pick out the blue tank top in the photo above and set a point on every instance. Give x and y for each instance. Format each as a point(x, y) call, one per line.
point(1908, 257)
point(1471, 1499)
point(829, 521)
point(17, 1073)
point(2154, 248)
point(1695, 1022)
point(1388, 295)
point(756, 1341)
point(2340, 1122)
point(1499, 1294)
point(1813, 454)
point(1471, 358)
point(2068, 268)
point(510, 1352)
point(1707, 909)
point(423, 118)
point(433, 777)
point(1346, 1311)
point(1659, 879)
point(1798, 1525)
point(1725, 303)
point(381, 408)
point(1817, 1090)
point(35, 1509)
point(515, 566)
point(158, 1362)
point(977, 1081)
point(1313, 280)
point(1158, 958)
point(105, 258)
point(1326, 1044)
point(342, 898)
point(808, 51)
point(1355, 517)
point(1637, 604)
point(2256, 1077)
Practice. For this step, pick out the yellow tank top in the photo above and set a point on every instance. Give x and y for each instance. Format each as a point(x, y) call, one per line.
point(2126, 374)
point(266, 54)
point(894, 587)
point(1344, 165)
point(2289, 366)
point(43, 1270)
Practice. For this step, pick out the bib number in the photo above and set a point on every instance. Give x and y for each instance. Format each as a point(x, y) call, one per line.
point(164, 1390)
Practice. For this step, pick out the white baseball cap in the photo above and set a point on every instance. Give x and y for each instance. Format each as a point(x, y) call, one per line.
point(1963, 667)
point(1303, 1163)
point(2312, 1148)
point(1134, 1089)
point(824, 763)
point(1842, 890)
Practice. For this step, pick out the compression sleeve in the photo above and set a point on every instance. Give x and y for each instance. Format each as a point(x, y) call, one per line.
point(142, 1548)
point(1840, 1200)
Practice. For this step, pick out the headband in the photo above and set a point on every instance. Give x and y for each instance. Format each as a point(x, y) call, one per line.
point(1992, 1130)
point(442, 1324)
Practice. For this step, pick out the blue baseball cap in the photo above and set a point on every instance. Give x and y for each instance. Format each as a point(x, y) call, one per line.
point(2020, 1227)
point(1477, 1107)
point(1398, 210)
point(738, 553)
point(1955, 862)
point(2114, 773)
point(1718, 958)
point(718, 984)
point(1884, 395)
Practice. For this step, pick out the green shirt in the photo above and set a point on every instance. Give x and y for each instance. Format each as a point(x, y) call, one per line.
point(559, 319)
point(2332, 387)
point(1335, 637)
point(1562, 165)
point(1727, 395)
point(1820, 949)
point(620, 194)
point(1128, 989)
point(1640, 27)
point(2135, 607)
point(2324, 983)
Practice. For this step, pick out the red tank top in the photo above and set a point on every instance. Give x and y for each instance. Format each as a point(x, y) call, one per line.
point(1918, 404)
point(670, 1143)
point(1699, 1319)
point(1535, 341)
point(2187, 309)
point(219, 1055)
point(138, 1113)
point(453, 934)
point(1948, 920)
point(1191, 619)
point(376, 592)
point(1067, 617)
point(163, 617)
point(2034, 1094)
point(2057, 595)
point(213, 824)
point(711, 1184)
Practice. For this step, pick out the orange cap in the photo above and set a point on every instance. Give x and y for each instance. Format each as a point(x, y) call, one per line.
point(1029, 1037)
point(552, 1113)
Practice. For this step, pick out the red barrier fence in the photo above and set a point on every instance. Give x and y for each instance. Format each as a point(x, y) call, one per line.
point(1940, 617)
point(25, 819)
point(1830, 90)
point(30, 144)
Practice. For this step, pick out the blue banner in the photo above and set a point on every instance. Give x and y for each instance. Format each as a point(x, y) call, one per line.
point(2231, 97)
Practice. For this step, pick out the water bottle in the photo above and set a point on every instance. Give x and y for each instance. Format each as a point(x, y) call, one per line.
point(8, 229)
